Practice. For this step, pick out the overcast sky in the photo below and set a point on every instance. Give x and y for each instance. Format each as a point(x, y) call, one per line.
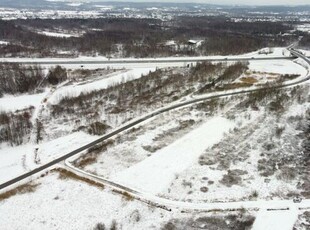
point(259, 2)
point(229, 2)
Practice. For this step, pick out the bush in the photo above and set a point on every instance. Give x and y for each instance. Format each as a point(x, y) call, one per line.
point(98, 128)
point(99, 226)
point(113, 225)
point(232, 177)
point(57, 75)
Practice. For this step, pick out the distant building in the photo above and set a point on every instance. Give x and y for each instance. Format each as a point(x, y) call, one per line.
point(171, 44)
point(194, 43)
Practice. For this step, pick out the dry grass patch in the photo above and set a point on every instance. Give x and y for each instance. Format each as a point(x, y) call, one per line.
point(249, 80)
point(65, 174)
point(22, 189)
point(126, 195)
point(86, 160)
point(92, 154)
point(233, 86)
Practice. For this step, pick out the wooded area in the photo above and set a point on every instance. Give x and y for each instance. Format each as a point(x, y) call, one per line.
point(140, 37)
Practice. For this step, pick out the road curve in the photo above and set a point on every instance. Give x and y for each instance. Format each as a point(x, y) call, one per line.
point(170, 205)
point(144, 118)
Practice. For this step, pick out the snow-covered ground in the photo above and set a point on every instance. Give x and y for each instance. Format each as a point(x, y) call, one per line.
point(70, 204)
point(4, 43)
point(304, 28)
point(12, 103)
point(277, 66)
point(276, 220)
point(14, 161)
point(142, 143)
point(173, 171)
point(156, 172)
point(305, 52)
point(109, 80)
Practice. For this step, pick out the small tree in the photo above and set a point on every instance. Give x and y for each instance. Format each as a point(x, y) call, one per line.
point(99, 226)
point(57, 75)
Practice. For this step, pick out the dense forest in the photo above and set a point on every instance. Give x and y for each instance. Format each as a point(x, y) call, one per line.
point(140, 37)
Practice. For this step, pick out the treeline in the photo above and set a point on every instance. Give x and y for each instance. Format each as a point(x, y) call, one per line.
point(141, 37)
point(15, 78)
point(15, 127)
point(238, 44)
point(305, 41)
point(221, 23)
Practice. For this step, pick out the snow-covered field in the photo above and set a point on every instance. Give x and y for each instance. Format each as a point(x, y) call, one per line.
point(70, 204)
point(19, 159)
point(276, 220)
point(232, 152)
point(13, 161)
point(278, 67)
point(12, 103)
point(156, 172)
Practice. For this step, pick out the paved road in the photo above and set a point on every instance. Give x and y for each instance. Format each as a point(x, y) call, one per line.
point(138, 61)
point(138, 121)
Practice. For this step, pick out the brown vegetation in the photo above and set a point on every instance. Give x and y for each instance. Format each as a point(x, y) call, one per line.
point(22, 189)
point(65, 174)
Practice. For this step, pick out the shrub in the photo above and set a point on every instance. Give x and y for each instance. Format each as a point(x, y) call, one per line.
point(99, 226)
point(57, 75)
point(113, 225)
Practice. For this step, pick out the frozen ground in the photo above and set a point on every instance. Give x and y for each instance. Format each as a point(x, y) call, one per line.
point(276, 220)
point(235, 168)
point(156, 172)
point(61, 202)
point(12, 103)
point(69, 204)
point(135, 146)
point(278, 67)
point(14, 162)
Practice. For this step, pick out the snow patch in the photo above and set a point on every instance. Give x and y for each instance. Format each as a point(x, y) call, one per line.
point(275, 220)
point(277, 66)
point(11, 103)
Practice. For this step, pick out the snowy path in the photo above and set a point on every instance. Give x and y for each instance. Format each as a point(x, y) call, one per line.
point(150, 198)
